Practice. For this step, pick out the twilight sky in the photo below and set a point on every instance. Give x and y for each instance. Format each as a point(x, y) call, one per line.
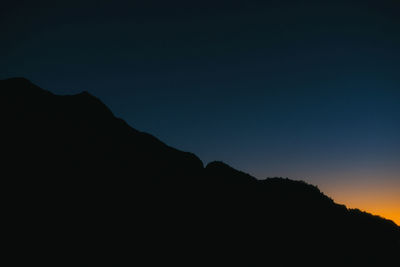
point(301, 89)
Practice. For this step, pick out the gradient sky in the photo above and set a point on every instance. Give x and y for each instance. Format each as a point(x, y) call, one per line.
point(301, 89)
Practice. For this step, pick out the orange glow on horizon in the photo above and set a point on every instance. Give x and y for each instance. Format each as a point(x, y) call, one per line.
point(381, 209)
point(378, 199)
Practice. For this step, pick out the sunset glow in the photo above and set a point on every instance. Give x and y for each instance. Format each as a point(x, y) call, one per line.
point(382, 200)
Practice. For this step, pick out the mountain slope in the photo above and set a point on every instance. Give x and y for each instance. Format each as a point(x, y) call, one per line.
point(80, 132)
point(105, 186)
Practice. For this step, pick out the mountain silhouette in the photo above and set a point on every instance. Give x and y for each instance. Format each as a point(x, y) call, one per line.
point(82, 186)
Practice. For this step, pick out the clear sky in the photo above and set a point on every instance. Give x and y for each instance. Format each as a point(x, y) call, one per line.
point(301, 89)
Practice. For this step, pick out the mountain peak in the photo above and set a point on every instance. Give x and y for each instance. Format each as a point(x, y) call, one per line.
point(17, 80)
point(21, 87)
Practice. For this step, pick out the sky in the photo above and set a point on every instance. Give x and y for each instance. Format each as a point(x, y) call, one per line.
point(308, 90)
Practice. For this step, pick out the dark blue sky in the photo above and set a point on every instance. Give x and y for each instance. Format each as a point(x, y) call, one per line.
point(304, 89)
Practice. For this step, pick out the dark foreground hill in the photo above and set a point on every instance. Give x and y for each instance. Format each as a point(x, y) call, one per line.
point(81, 186)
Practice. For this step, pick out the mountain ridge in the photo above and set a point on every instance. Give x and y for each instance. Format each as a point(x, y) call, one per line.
point(75, 145)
